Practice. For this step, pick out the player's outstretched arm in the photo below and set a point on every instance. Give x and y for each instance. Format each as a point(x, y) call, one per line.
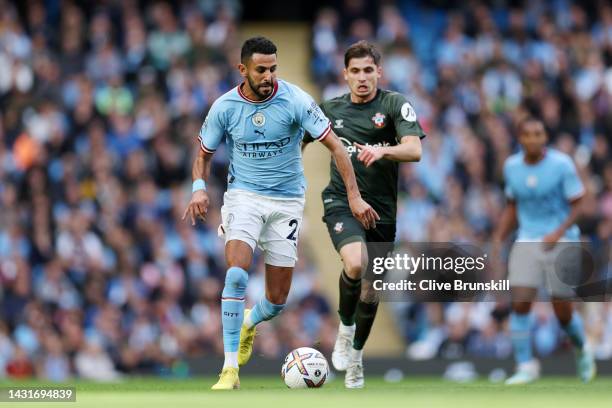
point(360, 209)
point(409, 150)
point(198, 206)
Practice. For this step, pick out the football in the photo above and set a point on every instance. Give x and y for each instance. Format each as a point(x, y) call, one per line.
point(305, 367)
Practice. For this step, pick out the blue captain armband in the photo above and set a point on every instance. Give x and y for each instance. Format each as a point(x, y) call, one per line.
point(198, 184)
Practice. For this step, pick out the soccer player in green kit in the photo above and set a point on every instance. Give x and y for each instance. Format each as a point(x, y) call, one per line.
point(379, 129)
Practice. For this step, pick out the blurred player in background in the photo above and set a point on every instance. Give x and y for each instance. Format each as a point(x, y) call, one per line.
point(379, 128)
point(263, 120)
point(544, 192)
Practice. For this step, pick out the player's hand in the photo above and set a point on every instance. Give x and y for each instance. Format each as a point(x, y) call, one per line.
point(369, 154)
point(198, 206)
point(550, 240)
point(364, 212)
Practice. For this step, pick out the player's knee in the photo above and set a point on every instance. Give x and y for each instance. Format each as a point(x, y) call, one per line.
point(563, 312)
point(564, 319)
point(354, 259)
point(521, 307)
point(368, 293)
point(353, 267)
point(238, 254)
point(235, 282)
point(238, 261)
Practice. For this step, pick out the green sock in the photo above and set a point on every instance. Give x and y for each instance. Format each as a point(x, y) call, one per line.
point(350, 289)
point(364, 319)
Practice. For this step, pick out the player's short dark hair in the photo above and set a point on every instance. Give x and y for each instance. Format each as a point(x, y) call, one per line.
point(361, 49)
point(256, 45)
point(527, 120)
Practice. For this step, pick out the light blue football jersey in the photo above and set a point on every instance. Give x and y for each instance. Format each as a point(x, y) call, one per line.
point(542, 192)
point(264, 138)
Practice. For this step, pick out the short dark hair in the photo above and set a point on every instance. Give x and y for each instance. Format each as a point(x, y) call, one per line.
point(361, 49)
point(530, 119)
point(259, 45)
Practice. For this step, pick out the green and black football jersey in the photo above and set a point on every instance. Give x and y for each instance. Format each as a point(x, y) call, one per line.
point(383, 121)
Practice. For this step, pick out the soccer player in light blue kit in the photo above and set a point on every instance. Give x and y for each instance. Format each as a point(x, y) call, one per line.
point(263, 121)
point(543, 192)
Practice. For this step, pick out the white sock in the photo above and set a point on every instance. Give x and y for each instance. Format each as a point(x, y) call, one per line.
point(248, 322)
point(231, 359)
point(356, 355)
point(350, 330)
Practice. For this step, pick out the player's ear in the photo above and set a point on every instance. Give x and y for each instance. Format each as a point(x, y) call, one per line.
point(378, 71)
point(242, 68)
point(345, 73)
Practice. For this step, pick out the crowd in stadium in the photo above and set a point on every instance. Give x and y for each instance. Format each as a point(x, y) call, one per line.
point(99, 113)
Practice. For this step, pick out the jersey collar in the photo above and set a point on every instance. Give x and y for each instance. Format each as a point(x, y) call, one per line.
point(243, 96)
point(366, 103)
point(544, 154)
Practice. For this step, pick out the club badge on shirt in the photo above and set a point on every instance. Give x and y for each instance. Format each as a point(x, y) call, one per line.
point(258, 119)
point(379, 120)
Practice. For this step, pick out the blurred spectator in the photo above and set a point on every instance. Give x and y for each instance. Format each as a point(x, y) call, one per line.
point(93, 363)
point(6, 348)
point(19, 366)
point(167, 42)
point(54, 364)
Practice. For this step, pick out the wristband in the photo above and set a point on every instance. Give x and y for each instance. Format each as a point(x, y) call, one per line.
point(198, 184)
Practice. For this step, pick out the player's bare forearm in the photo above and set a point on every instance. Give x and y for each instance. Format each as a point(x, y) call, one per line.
point(507, 223)
point(576, 210)
point(551, 239)
point(198, 205)
point(409, 150)
point(343, 163)
point(364, 213)
point(201, 166)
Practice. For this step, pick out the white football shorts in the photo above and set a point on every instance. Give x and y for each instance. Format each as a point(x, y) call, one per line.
point(529, 265)
point(273, 224)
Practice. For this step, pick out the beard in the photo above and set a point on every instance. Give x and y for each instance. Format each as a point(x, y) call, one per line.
point(256, 88)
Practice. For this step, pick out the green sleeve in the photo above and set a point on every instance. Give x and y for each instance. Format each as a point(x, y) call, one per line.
point(405, 118)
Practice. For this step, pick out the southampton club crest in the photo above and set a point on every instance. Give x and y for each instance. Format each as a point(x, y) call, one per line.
point(258, 119)
point(339, 227)
point(379, 120)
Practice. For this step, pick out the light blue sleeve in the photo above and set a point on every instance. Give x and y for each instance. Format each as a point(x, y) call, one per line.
point(508, 187)
point(310, 116)
point(213, 129)
point(572, 185)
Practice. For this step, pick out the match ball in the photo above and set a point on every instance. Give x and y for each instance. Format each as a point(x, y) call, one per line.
point(305, 367)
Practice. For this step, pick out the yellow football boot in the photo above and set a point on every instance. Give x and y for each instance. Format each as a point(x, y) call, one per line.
point(247, 336)
point(228, 380)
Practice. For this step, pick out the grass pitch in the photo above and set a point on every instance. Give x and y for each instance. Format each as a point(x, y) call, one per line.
point(267, 392)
